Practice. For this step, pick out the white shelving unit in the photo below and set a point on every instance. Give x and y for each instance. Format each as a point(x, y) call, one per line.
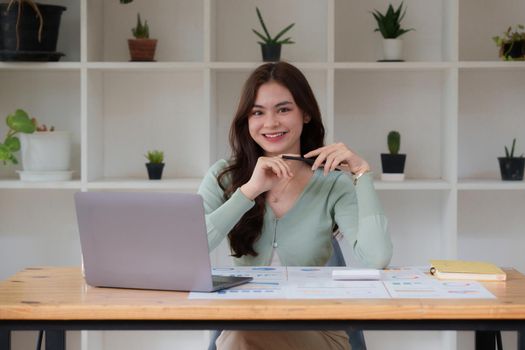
point(455, 104)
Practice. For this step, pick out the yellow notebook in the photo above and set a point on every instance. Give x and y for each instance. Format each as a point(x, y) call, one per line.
point(466, 270)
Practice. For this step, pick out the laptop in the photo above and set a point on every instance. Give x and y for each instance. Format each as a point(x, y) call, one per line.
point(146, 240)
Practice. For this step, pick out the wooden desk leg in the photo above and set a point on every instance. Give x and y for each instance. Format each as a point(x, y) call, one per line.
point(55, 340)
point(486, 340)
point(5, 339)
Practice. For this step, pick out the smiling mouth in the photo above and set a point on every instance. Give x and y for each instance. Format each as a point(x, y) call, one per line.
point(275, 134)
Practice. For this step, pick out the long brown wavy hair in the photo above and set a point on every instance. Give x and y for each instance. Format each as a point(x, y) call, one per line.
point(245, 151)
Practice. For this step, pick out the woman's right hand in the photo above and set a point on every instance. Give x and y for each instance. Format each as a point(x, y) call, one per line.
point(267, 172)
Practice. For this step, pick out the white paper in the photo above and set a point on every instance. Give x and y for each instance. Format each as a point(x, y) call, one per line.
point(316, 283)
point(324, 289)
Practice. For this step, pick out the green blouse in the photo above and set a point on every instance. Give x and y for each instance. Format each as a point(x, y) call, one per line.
point(302, 237)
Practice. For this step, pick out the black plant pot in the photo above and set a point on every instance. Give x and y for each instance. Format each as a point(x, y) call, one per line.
point(515, 50)
point(155, 170)
point(393, 163)
point(511, 168)
point(393, 166)
point(271, 52)
point(28, 31)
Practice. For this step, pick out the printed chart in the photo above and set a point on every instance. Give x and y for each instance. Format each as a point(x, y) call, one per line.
point(316, 283)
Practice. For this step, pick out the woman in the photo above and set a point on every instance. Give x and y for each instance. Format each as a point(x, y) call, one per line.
point(276, 211)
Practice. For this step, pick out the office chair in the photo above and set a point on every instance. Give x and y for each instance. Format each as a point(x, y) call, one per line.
point(356, 337)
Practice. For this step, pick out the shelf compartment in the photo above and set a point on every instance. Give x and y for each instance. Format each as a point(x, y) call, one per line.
point(129, 113)
point(415, 219)
point(227, 89)
point(178, 25)
point(491, 109)
point(478, 23)
point(52, 97)
point(39, 227)
point(233, 40)
point(490, 227)
point(355, 39)
point(369, 104)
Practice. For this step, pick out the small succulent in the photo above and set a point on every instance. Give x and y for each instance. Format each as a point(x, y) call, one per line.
point(511, 153)
point(141, 31)
point(155, 157)
point(267, 38)
point(389, 24)
point(394, 142)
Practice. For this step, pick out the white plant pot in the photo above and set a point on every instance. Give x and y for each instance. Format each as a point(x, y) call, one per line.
point(393, 49)
point(393, 177)
point(46, 151)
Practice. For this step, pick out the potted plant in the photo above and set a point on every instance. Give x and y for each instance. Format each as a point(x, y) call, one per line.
point(511, 44)
point(29, 31)
point(142, 48)
point(45, 152)
point(389, 25)
point(511, 167)
point(155, 164)
point(393, 163)
point(271, 47)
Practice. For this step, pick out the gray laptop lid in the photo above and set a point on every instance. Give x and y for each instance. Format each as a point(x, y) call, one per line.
point(144, 240)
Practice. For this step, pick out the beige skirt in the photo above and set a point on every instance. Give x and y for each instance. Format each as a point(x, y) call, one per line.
point(283, 340)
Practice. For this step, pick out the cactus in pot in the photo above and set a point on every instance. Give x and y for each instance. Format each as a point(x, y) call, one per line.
point(393, 163)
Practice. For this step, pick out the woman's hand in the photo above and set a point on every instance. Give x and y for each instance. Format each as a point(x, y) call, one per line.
point(337, 155)
point(268, 171)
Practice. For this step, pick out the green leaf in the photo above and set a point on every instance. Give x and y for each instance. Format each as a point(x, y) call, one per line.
point(13, 159)
point(5, 154)
point(283, 31)
point(19, 121)
point(12, 143)
point(286, 41)
point(261, 36)
point(269, 37)
point(512, 149)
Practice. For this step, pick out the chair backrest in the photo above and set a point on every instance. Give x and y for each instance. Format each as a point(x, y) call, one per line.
point(356, 336)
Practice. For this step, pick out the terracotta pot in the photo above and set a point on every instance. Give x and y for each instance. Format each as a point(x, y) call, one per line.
point(142, 49)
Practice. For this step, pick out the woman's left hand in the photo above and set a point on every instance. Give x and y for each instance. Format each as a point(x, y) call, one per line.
point(337, 155)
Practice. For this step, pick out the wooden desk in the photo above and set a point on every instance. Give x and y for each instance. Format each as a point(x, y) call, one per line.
point(58, 299)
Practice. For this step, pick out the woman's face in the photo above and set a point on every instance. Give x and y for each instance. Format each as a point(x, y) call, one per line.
point(275, 121)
